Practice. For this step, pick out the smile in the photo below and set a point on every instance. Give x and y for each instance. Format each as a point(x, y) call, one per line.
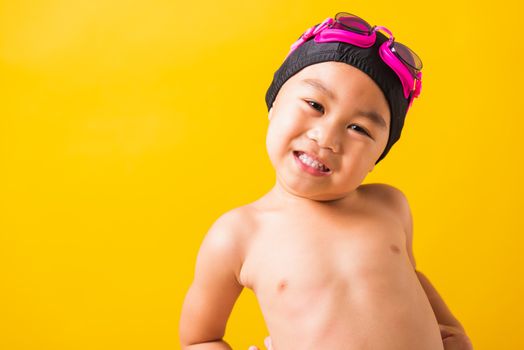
point(310, 165)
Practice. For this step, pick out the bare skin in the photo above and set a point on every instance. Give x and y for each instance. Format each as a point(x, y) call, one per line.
point(329, 259)
point(346, 283)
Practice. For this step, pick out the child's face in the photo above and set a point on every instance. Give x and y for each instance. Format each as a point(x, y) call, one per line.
point(334, 126)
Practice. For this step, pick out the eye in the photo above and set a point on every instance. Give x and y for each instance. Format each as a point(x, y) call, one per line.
point(358, 129)
point(316, 106)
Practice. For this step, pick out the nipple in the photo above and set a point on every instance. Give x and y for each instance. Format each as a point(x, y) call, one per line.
point(282, 285)
point(394, 249)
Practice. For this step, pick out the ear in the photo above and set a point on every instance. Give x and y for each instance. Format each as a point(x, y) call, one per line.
point(270, 112)
point(372, 167)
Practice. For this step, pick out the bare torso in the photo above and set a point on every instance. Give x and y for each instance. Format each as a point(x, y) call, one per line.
point(336, 277)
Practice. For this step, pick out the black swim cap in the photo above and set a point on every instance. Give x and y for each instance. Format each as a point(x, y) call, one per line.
point(366, 59)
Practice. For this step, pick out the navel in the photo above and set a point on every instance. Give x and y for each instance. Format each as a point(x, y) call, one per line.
point(394, 249)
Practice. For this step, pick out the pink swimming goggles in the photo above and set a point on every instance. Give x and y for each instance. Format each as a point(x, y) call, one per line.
point(354, 30)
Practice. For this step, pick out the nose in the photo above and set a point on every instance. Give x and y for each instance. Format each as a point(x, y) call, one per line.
point(326, 135)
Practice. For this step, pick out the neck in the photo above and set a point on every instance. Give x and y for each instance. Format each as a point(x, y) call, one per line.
point(286, 198)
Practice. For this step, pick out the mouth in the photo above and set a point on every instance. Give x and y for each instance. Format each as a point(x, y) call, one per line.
point(311, 165)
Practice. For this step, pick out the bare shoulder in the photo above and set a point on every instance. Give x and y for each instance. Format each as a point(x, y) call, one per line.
point(384, 191)
point(391, 198)
point(227, 237)
point(234, 221)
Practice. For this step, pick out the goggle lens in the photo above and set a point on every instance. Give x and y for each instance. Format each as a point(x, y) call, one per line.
point(409, 57)
point(347, 21)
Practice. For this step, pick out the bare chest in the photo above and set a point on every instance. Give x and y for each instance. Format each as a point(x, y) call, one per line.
point(309, 253)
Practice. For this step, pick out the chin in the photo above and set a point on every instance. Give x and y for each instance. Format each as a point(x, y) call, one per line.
point(329, 197)
point(317, 194)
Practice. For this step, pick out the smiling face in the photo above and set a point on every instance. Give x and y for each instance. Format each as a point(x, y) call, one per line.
point(336, 115)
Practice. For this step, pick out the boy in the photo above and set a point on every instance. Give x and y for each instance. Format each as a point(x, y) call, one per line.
point(329, 259)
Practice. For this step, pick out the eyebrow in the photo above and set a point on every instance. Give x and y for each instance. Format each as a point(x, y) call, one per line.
point(374, 117)
point(317, 84)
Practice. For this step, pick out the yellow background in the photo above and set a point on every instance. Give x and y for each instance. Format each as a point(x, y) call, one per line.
point(128, 127)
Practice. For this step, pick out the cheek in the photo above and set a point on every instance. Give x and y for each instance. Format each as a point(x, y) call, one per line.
point(280, 137)
point(284, 128)
point(359, 158)
point(273, 142)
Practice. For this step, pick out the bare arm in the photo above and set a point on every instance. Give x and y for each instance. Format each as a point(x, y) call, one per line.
point(453, 334)
point(442, 312)
point(214, 290)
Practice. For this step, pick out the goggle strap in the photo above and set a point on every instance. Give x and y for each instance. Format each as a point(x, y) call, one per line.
point(310, 33)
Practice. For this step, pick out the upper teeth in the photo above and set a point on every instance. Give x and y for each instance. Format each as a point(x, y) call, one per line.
point(311, 162)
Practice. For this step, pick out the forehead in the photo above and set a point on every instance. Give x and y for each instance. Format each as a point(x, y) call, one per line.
point(339, 75)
